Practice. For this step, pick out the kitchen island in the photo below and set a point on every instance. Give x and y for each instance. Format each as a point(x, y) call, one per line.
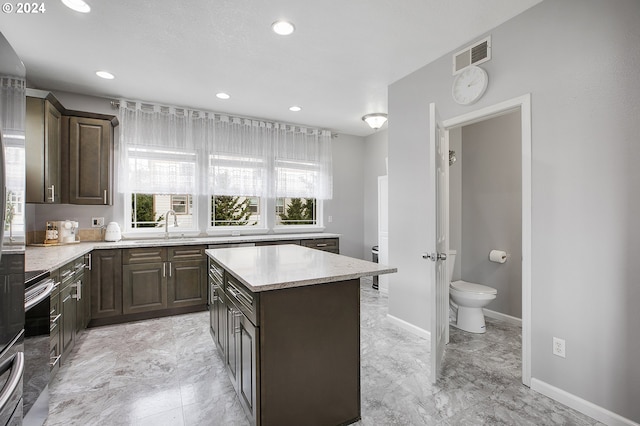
point(286, 320)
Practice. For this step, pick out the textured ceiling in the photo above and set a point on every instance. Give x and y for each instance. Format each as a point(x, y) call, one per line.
point(336, 66)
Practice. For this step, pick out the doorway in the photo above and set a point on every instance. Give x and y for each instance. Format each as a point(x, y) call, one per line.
point(521, 106)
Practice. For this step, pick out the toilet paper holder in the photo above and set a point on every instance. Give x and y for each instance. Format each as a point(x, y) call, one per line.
point(498, 256)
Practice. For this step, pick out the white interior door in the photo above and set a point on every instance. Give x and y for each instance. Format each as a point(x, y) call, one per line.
point(439, 224)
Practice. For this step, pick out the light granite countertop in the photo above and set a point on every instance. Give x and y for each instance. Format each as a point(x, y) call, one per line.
point(53, 257)
point(285, 266)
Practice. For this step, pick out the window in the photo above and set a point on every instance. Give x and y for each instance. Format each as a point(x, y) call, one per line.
point(149, 210)
point(296, 211)
point(157, 180)
point(234, 210)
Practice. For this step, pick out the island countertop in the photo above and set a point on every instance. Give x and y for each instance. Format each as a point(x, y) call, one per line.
point(285, 266)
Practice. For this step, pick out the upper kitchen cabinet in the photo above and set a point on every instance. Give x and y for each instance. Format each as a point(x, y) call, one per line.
point(43, 148)
point(90, 159)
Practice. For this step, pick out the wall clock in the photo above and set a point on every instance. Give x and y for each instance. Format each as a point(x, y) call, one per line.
point(469, 85)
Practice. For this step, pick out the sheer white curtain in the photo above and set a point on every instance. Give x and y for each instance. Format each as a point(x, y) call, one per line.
point(158, 152)
point(165, 149)
point(302, 163)
point(239, 157)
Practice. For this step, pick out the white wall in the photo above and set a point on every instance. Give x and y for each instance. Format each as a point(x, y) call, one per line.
point(375, 152)
point(348, 194)
point(579, 59)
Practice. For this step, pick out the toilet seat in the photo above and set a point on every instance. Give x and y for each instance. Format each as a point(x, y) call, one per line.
point(468, 287)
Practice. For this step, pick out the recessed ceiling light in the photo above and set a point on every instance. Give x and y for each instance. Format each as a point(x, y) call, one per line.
point(222, 95)
point(77, 5)
point(283, 27)
point(105, 74)
point(295, 108)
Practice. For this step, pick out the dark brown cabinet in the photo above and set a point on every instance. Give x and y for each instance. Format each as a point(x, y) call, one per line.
point(217, 305)
point(90, 155)
point(43, 149)
point(331, 245)
point(56, 319)
point(159, 278)
point(106, 284)
point(187, 283)
point(68, 323)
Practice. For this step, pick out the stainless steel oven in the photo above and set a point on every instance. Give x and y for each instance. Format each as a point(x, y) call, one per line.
point(37, 328)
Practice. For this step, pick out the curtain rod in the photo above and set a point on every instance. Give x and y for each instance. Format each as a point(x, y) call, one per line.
point(116, 105)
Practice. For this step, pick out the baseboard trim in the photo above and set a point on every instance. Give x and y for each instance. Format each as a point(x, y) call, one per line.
point(503, 317)
point(585, 407)
point(409, 327)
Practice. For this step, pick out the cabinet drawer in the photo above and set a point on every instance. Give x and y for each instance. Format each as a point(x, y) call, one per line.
point(144, 255)
point(66, 273)
point(186, 253)
point(326, 244)
point(277, 243)
point(247, 301)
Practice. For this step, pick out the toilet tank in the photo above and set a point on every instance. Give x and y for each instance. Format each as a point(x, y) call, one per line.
point(451, 261)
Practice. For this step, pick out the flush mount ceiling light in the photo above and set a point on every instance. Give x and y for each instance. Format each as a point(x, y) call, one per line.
point(283, 27)
point(222, 95)
point(375, 120)
point(295, 108)
point(105, 74)
point(77, 5)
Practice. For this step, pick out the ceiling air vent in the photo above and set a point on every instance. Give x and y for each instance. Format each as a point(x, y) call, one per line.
point(474, 54)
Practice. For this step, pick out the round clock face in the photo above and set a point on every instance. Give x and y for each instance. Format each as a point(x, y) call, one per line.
point(469, 85)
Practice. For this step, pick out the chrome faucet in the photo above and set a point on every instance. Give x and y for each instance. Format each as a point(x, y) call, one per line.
point(166, 222)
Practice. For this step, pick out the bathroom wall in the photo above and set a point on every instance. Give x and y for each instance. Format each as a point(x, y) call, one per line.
point(492, 208)
point(455, 201)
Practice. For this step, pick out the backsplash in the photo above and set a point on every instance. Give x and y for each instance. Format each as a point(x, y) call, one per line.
point(90, 234)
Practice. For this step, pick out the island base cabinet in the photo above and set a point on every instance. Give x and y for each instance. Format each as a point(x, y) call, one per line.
point(309, 371)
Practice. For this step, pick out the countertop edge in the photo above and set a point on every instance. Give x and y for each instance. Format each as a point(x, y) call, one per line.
point(67, 252)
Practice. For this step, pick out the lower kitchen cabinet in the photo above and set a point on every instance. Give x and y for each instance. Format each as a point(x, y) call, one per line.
point(217, 305)
point(68, 323)
point(106, 284)
point(144, 287)
point(55, 353)
point(161, 278)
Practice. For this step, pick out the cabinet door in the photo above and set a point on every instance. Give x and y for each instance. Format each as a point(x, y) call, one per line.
point(247, 364)
point(106, 282)
point(232, 343)
point(144, 287)
point(90, 161)
point(43, 127)
point(218, 316)
point(68, 323)
point(186, 284)
point(79, 296)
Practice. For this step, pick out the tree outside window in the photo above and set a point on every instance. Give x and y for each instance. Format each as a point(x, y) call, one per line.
point(297, 211)
point(231, 210)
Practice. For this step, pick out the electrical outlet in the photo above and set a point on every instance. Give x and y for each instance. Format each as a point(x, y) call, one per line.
point(330, 218)
point(97, 222)
point(558, 347)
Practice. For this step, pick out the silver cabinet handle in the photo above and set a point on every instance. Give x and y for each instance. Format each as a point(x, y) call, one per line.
point(16, 364)
point(66, 298)
point(164, 269)
point(78, 287)
point(52, 188)
point(66, 273)
point(54, 322)
point(88, 266)
point(169, 269)
point(54, 361)
point(322, 245)
point(236, 322)
point(105, 196)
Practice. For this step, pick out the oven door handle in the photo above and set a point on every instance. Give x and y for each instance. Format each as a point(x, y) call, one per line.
point(44, 290)
point(16, 364)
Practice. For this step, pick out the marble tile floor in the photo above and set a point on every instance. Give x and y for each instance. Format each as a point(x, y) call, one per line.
point(167, 371)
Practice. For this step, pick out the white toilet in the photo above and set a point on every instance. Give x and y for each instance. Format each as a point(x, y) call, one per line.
point(467, 300)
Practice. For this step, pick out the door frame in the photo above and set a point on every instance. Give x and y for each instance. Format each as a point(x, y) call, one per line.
point(523, 103)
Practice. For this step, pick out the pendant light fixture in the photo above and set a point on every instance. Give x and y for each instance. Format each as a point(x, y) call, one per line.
point(375, 120)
